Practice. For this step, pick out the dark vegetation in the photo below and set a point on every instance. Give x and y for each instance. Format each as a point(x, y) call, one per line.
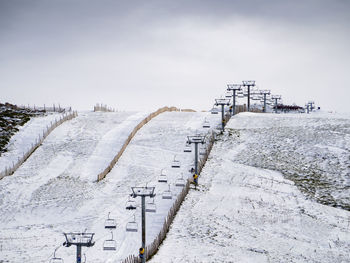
point(11, 117)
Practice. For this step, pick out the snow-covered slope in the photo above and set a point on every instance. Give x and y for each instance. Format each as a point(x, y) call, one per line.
point(22, 140)
point(249, 214)
point(54, 191)
point(311, 150)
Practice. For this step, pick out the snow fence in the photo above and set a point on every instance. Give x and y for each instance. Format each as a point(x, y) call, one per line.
point(152, 248)
point(132, 134)
point(10, 170)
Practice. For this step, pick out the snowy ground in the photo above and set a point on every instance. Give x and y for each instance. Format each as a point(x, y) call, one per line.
point(249, 214)
point(22, 140)
point(311, 150)
point(54, 190)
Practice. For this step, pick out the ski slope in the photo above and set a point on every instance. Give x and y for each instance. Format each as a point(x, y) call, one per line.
point(55, 191)
point(249, 214)
point(22, 140)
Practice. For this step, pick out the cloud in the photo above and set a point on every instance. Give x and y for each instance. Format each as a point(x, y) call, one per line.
point(145, 54)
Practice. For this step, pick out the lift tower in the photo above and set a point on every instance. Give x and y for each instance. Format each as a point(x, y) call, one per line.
point(234, 88)
point(223, 103)
point(79, 240)
point(276, 98)
point(196, 139)
point(265, 93)
point(248, 84)
point(143, 192)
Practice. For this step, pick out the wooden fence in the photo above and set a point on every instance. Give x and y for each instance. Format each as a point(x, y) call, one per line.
point(65, 117)
point(152, 248)
point(103, 174)
point(53, 108)
point(104, 108)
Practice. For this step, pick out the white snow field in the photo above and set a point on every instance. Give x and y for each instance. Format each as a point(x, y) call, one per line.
point(55, 191)
point(22, 140)
point(249, 214)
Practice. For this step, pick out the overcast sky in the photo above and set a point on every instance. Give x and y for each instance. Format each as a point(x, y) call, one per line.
point(141, 55)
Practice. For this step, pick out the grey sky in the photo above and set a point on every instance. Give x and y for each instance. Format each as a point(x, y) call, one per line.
point(146, 54)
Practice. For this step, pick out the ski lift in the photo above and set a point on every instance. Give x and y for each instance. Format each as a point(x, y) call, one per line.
point(187, 148)
point(130, 204)
point(55, 259)
point(110, 244)
point(206, 123)
point(214, 110)
point(110, 222)
point(202, 151)
point(175, 163)
point(167, 194)
point(180, 181)
point(228, 94)
point(240, 95)
point(131, 226)
point(151, 206)
point(162, 178)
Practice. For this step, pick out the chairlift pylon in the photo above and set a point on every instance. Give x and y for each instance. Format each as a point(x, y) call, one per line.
point(110, 244)
point(131, 226)
point(162, 178)
point(175, 163)
point(151, 206)
point(110, 222)
point(167, 194)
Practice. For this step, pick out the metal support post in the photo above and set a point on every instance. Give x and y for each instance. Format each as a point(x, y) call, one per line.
point(143, 192)
point(248, 84)
point(248, 102)
point(234, 88)
point(144, 226)
point(78, 253)
point(196, 157)
point(223, 117)
point(234, 103)
point(275, 105)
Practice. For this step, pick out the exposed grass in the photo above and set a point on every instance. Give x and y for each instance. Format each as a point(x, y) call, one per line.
point(11, 117)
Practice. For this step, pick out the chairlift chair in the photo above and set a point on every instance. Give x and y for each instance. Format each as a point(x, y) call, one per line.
point(202, 151)
point(110, 244)
point(187, 148)
point(56, 259)
point(206, 123)
point(228, 94)
point(131, 226)
point(130, 204)
point(180, 181)
point(151, 206)
point(110, 222)
point(214, 110)
point(167, 194)
point(175, 163)
point(162, 178)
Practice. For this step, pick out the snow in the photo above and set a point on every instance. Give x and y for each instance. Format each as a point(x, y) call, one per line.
point(311, 150)
point(55, 191)
point(246, 210)
point(22, 140)
point(249, 214)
